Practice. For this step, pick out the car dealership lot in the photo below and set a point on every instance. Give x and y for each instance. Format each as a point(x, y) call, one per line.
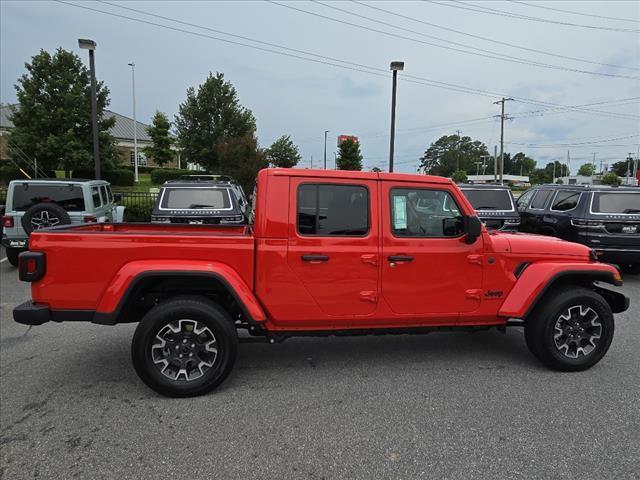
point(445, 405)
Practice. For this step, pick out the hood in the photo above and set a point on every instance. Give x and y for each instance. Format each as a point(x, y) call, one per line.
point(529, 244)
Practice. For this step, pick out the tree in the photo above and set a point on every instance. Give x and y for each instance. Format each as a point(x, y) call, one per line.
point(349, 156)
point(521, 164)
point(283, 153)
point(545, 175)
point(376, 169)
point(241, 158)
point(586, 169)
point(620, 168)
point(160, 148)
point(53, 117)
point(611, 179)
point(209, 117)
point(459, 176)
point(450, 153)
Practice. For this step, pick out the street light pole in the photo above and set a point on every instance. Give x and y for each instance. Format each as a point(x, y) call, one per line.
point(135, 123)
point(325, 148)
point(395, 68)
point(90, 45)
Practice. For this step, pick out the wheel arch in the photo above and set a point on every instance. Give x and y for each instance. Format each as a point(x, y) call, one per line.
point(539, 278)
point(129, 287)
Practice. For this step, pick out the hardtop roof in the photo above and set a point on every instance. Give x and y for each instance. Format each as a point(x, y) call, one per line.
point(357, 175)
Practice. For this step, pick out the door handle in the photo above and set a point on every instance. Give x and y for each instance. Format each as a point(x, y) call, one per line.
point(400, 258)
point(315, 258)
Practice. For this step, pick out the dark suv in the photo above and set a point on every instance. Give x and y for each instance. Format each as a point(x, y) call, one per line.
point(604, 218)
point(200, 202)
point(494, 204)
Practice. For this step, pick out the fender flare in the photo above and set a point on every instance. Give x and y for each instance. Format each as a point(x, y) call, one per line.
point(122, 286)
point(535, 280)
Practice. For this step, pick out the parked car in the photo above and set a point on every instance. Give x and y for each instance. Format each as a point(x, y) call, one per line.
point(330, 253)
point(40, 203)
point(604, 218)
point(200, 202)
point(494, 204)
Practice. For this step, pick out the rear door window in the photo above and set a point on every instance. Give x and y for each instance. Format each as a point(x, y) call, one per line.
point(565, 200)
point(488, 199)
point(95, 195)
point(69, 197)
point(616, 202)
point(331, 210)
point(540, 200)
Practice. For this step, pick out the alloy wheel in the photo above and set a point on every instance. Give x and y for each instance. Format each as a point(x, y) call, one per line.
point(44, 219)
point(183, 350)
point(577, 331)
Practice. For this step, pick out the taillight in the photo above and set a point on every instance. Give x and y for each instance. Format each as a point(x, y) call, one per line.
point(7, 221)
point(586, 223)
point(31, 266)
point(89, 219)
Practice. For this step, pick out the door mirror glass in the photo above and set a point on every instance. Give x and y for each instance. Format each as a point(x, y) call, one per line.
point(452, 227)
point(473, 228)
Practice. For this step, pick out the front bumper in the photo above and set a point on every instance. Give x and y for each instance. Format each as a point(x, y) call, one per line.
point(617, 256)
point(30, 313)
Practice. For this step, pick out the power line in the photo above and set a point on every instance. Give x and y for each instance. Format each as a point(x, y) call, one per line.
point(573, 12)
point(493, 11)
point(479, 37)
point(325, 60)
point(486, 54)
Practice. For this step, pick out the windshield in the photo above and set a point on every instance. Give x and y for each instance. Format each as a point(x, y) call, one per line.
point(605, 202)
point(196, 198)
point(489, 199)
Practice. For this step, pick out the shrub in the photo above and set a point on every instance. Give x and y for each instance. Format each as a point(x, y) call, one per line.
point(459, 176)
point(611, 179)
point(138, 213)
point(161, 175)
point(141, 168)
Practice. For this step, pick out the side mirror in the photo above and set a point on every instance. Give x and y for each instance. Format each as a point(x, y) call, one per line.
point(117, 197)
point(452, 226)
point(473, 228)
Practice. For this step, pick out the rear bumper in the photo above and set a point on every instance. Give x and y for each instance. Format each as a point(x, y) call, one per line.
point(30, 313)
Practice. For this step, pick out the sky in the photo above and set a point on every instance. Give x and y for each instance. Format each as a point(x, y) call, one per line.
point(305, 67)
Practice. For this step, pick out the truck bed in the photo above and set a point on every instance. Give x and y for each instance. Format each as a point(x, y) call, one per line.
point(82, 261)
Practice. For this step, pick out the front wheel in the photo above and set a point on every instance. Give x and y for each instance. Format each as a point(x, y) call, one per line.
point(184, 347)
point(571, 330)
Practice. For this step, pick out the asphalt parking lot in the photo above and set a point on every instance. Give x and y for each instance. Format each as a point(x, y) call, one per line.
point(445, 405)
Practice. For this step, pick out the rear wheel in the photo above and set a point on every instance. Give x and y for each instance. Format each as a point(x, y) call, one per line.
point(571, 330)
point(184, 347)
point(12, 255)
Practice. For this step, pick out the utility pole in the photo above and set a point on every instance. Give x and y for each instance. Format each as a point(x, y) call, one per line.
point(395, 68)
point(554, 171)
point(135, 123)
point(495, 164)
point(90, 45)
point(502, 119)
point(458, 152)
point(629, 160)
point(325, 148)
point(568, 163)
point(312, 161)
point(594, 163)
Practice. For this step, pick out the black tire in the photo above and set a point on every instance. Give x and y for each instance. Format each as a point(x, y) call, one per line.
point(146, 346)
point(12, 255)
point(44, 215)
point(571, 308)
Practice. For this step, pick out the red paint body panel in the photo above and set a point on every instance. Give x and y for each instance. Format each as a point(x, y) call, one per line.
point(449, 282)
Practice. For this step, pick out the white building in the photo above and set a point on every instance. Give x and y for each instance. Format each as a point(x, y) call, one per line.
point(520, 180)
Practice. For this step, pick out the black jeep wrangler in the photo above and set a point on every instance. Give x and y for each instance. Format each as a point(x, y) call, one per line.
point(604, 218)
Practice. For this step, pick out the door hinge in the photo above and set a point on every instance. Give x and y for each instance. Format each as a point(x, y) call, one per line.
point(369, 296)
point(473, 294)
point(475, 259)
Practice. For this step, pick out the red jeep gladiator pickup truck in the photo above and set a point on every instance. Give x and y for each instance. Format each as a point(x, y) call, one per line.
point(328, 253)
